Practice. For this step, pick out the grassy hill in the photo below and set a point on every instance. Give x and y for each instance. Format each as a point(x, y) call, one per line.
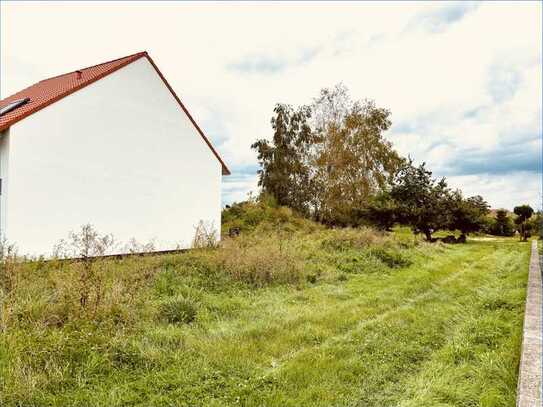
point(287, 314)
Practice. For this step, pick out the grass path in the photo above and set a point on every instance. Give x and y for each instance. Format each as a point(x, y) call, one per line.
point(464, 307)
point(444, 331)
point(354, 343)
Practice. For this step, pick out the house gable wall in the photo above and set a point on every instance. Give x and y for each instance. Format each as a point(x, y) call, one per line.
point(119, 154)
point(4, 168)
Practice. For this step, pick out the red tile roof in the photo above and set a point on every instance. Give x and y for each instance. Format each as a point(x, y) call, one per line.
point(50, 90)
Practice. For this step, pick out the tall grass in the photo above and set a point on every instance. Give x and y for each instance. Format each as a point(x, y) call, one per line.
point(56, 292)
point(247, 322)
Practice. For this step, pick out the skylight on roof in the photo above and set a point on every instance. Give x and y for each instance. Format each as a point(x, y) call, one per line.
point(13, 105)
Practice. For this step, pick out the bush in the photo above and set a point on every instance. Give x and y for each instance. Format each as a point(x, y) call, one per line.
point(178, 310)
point(501, 224)
point(348, 239)
point(263, 213)
point(392, 258)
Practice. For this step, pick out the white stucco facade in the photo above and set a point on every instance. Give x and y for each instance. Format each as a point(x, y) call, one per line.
point(4, 164)
point(119, 154)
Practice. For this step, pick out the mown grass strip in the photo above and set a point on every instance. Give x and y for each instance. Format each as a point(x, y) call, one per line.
point(378, 360)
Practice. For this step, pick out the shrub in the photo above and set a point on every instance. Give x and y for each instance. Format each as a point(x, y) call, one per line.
point(178, 310)
point(392, 258)
point(501, 224)
point(264, 213)
point(347, 239)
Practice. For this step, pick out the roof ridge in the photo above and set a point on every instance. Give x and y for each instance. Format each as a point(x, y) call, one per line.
point(48, 91)
point(137, 54)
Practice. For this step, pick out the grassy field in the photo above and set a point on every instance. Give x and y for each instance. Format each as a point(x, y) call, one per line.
point(312, 318)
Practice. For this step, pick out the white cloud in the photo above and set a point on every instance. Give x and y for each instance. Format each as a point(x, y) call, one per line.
point(458, 79)
point(502, 191)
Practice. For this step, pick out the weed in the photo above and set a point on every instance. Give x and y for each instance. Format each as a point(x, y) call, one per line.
point(88, 246)
point(268, 260)
point(178, 310)
point(8, 279)
point(205, 236)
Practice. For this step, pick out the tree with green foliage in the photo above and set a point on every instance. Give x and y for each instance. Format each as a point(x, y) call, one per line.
point(502, 225)
point(382, 211)
point(353, 161)
point(286, 171)
point(523, 212)
point(467, 214)
point(328, 159)
point(423, 202)
point(534, 224)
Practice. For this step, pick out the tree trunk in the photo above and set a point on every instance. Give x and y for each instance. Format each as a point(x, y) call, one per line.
point(428, 235)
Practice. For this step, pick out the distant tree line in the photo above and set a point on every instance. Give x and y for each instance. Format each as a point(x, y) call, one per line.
point(330, 162)
point(523, 220)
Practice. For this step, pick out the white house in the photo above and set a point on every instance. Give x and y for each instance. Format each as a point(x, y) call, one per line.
point(111, 145)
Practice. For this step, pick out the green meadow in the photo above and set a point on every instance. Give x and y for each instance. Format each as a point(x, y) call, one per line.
point(296, 315)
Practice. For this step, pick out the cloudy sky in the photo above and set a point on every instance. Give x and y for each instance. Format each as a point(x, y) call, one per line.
point(463, 80)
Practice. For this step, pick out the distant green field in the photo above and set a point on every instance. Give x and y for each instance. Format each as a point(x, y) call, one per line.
point(316, 318)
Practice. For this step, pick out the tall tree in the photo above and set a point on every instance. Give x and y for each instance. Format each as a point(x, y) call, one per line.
point(423, 202)
point(502, 225)
point(356, 161)
point(467, 215)
point(327, 159)
point(523, 212)
point(534, 224)
point(285, 171)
